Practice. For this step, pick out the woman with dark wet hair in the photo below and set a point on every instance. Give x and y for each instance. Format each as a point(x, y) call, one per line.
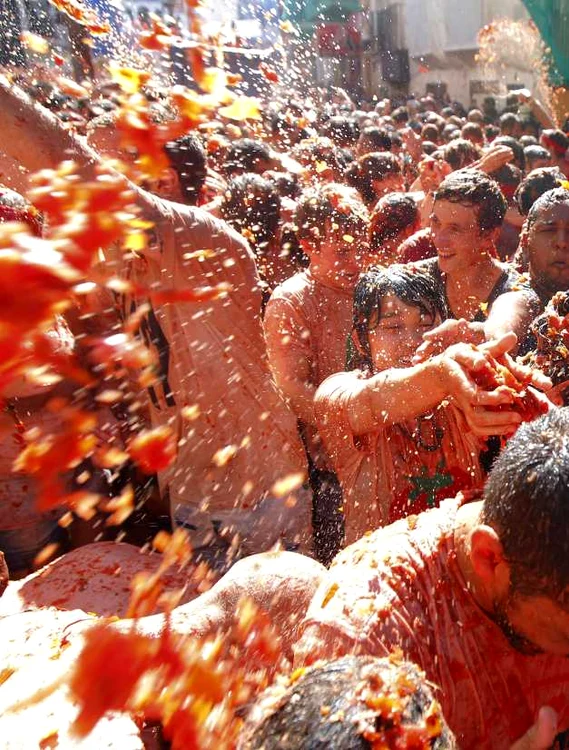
point(401, 436)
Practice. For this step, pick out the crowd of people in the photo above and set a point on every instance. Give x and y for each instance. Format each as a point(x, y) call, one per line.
point(368, 424)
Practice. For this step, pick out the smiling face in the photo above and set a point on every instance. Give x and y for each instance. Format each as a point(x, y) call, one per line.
point(547, 247)
point(456, 234)
point(341, 255)
point(399, 331)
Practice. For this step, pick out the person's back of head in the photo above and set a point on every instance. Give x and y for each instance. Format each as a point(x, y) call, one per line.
point(188, 158)
point(247, 155)
point(369, 169)
point(510, 124)
point(538, 182)
point(461, 153)
point(536, 156)
point(508, 177)
point(430, 132)
point(473, 132)
point(517, 148)
point(475, 115)
point(252, 205)
point(353, 703)
point(526, 501)
point(400, 116)
point(469, 187)
point(449, 132)
point(373, 139)
point(395, 217)
point(556, 142)
point(344, 131)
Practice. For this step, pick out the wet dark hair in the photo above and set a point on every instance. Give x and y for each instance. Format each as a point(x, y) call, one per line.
point(526, 500)
point(245, 155)
point(546, 201)
point(508, 122)
point(328, 203)
point(430, 132)
point(556, 140)
point(538, 182)
point(344, 131)
point(400, 115)
point(429, 147)
point(474, 130)
point(375, 166)
point(393, 214)
point(188, 158)
point(252, 203)
point(508, 177)
point(460, 153)
point(377, 137)
point(407, 282)
point(356, 718)
point(285, 183)
point(535, 151)
point(469, 187)
point(517, 148)
point(492, 132)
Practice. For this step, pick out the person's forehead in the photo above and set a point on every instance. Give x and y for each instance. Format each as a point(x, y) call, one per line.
point(454, 212)
point(559, 212)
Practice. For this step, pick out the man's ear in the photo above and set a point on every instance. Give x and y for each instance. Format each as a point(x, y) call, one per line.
point(488, 560)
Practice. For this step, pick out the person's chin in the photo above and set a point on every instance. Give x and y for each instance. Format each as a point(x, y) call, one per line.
point(447, 262)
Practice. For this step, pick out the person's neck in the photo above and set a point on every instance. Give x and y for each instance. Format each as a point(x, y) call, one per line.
point(467, 518)
point(325, 280)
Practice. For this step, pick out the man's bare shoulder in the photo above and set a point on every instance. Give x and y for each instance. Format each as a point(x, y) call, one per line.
point(297, 288)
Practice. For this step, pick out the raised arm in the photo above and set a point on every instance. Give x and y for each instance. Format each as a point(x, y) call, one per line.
point(34, 138)
point(396, 395)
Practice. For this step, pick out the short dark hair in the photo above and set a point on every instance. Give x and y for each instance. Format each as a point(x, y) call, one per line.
point(526, 501)
point(538, 182)
point(400, 115)
point(407, 282)
point(460, 153)
point(517, 148)
point(474, 130)
point(469, 187)
point(546, 201)
point(335, 203)
point(392, 215)
point(245, 155)
point(534, 152)
point(375, 166)
point(508, 122)
point(377, 137)
point(344, 131)
point(253, 204)
point(338, 705)
point(188, 158)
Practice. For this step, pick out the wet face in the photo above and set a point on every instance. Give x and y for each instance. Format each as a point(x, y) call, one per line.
point(457, 237)
point(547, 247)
point(341, 255)
point(535, 624)
point(398, 333)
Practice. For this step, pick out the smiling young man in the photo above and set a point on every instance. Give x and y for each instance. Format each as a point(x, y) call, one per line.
point(466, 219)
point(476, 594)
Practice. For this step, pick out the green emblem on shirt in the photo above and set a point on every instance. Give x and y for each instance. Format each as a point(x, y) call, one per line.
point(423, 484)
